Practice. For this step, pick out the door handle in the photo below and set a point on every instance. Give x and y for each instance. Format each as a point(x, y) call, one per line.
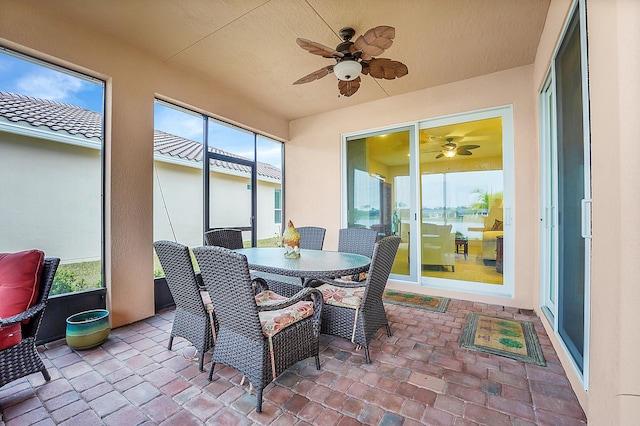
point(585, 206)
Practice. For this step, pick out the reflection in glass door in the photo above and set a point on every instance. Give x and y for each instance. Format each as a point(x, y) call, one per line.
point(462, 192)
point(379, 192)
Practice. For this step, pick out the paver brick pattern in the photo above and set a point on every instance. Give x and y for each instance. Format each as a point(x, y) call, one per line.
point(420, 375)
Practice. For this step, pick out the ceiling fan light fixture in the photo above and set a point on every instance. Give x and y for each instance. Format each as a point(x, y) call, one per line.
point(449, 153)
point(347, 70)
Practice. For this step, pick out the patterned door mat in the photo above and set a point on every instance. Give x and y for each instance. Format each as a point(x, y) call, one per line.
point(501, 336)
point(432, 303)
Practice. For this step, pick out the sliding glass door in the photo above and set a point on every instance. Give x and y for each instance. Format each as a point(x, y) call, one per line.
point(443, 187)
point(565, 193)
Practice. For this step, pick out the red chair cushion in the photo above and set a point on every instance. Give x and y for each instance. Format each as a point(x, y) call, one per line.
point(19, 284)
point(10, 335)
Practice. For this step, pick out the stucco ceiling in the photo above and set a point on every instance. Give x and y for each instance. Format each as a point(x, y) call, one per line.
point(249, 46)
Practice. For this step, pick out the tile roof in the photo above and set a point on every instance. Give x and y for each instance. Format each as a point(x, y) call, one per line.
point(54, 115)
point(58, 116)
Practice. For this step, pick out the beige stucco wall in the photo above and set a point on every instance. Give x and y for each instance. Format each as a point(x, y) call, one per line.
point(614, 64)
point(133, 80)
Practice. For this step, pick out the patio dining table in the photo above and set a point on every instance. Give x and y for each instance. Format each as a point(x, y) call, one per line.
point(311, 263)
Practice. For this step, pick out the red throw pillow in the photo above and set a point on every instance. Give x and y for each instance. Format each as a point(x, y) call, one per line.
point(19, 285)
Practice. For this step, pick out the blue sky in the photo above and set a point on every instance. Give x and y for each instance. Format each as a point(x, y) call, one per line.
point(31, 79)
point(27, 78)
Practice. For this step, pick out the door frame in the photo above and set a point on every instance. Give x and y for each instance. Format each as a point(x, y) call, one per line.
point(206, 185)
point(414, 278)
point(548, 194)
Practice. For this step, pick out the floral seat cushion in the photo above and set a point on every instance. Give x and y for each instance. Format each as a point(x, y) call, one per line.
point(274, 321)
point(346, 297)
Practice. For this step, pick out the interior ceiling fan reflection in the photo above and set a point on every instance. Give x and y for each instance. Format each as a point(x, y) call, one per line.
point(451, 149)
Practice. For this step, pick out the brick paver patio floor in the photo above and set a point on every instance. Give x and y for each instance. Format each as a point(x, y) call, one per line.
point(420, 375)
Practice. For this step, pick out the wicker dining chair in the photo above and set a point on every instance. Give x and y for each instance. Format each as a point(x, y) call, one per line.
point(194, 319)
point(249, 338)
point(23, 359)
point(228, 238)
point(355, 311)
point(311, 237)
point(357, 240)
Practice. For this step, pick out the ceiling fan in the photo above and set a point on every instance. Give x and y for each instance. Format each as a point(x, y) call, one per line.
point(451, 149)
point(353, 58)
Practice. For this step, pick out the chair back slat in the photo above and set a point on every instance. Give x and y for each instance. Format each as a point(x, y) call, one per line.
point(357, 240)
point(30, 329)
point(225, 274)
point(384, 254)
point(227, 238)
point(180, 275)
point(311, 237)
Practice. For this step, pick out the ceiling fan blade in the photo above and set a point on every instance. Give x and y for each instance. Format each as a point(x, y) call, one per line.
point(385, 68)
point(316, 75)
point(348, 88)
point(439, 156)
point(468, 147)
point(375, 41)
point(318, 49)
point(463, 152)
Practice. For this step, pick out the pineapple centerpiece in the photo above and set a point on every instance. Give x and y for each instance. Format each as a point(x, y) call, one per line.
point(291, 242)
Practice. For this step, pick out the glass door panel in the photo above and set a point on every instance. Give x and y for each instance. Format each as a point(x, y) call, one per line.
point(379, 194)
point(461, 202)
point(571, 192)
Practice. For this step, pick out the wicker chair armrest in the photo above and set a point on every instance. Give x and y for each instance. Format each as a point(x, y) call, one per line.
point(319, 282)
point(259, 285)
point(305, 294)
point(29, 313)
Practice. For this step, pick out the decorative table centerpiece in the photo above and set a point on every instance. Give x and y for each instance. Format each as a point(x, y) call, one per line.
point(291, 242)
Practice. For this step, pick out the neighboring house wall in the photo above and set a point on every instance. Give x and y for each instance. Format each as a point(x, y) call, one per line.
point(178, 210)
point(177, 203)
point(56, 206)
point(53, 193)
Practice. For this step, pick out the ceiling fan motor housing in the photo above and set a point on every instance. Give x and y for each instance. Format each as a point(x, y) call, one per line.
point(347, 33)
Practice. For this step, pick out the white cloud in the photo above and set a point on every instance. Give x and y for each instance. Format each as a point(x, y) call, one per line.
point(49, 84)
point(178, 123)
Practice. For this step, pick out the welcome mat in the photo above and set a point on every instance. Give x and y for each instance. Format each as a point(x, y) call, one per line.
point(501, 336)
point(431, 303)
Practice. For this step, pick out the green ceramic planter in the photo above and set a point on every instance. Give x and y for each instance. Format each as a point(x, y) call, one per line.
point(88, 329)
